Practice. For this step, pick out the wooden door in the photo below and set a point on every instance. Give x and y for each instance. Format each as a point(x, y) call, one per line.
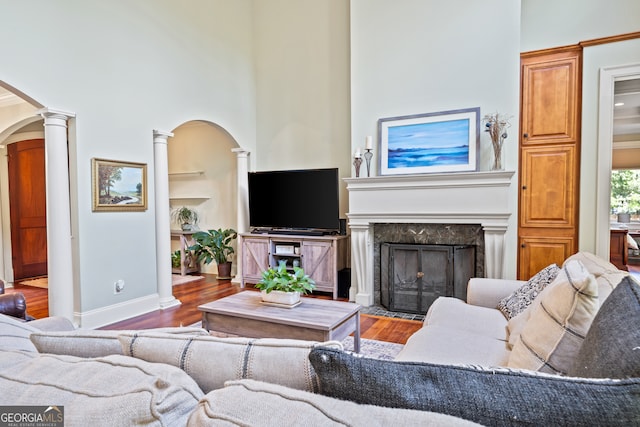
point(27, 205)
point(550, 109)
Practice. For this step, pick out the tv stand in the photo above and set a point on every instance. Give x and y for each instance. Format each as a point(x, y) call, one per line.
point(321, 256)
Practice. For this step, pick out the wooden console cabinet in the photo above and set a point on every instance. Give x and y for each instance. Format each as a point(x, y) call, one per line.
point(321, 257)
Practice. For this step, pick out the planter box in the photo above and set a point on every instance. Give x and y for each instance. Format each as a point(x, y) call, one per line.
point(279, 297)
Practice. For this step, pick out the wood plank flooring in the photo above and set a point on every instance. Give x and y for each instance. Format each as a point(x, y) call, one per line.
point(209, 289)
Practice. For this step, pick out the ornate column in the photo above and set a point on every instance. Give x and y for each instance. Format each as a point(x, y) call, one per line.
point(163, 220)
point(362, 265)
point(242, 204)
point(59, 246)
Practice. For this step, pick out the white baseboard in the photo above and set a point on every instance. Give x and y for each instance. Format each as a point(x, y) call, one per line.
point(115, 313)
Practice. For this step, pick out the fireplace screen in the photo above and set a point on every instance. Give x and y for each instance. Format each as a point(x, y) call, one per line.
point(413, 276)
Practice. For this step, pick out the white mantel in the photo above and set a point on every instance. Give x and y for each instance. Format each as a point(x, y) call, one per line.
point(455, 198)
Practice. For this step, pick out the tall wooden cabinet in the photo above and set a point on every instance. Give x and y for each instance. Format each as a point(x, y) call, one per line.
point(549, 146)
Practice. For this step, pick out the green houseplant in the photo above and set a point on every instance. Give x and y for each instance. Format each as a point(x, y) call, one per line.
point(175, 259)
point(215, 245)
point(285, 285)
point(186, 217)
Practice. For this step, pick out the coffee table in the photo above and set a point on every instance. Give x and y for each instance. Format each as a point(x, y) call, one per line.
point(314, 319)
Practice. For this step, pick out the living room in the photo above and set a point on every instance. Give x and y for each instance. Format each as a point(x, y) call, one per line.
point(294, 84)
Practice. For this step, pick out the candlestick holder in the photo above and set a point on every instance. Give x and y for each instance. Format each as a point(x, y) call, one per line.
point(357, 161)
point(367, 156)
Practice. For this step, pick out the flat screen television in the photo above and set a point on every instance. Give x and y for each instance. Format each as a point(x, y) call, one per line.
point(302, 201)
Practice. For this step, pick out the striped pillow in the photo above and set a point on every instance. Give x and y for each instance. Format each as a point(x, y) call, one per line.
point(554, 333)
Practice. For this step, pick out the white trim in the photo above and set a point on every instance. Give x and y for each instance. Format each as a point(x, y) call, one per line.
point(114, 313)
point(608, 77)
point(24, 136)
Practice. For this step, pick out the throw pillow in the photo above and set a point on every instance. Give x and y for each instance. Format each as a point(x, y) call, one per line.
point(94, 343)
point(519, 300)
point(495, 397)
point(557, 326)
point(607, 275)
point(253, 403)
point(211, 361)
point(612, 346)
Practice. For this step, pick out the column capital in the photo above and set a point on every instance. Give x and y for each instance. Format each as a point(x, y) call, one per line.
point(241, 152)
point(47, 113)
point(161, 136)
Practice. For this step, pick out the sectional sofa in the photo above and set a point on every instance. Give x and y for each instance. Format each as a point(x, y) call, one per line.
point(560, 349)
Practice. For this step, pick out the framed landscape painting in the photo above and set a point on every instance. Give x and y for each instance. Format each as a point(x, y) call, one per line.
point(430, 143)
point(119, 186)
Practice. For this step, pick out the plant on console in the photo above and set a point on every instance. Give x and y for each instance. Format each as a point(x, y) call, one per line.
point(283, 280)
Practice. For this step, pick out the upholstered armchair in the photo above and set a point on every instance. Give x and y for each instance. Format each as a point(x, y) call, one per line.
point(13, 304)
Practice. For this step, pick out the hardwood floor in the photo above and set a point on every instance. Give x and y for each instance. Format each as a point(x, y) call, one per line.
point(209, 289)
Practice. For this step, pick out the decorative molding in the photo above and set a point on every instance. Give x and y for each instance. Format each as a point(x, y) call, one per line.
point(114, 313)
point(457, 198)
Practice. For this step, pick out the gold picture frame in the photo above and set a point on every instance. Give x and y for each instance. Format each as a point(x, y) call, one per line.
point(118, 186)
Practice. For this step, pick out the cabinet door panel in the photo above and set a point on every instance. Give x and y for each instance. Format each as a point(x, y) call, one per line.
point(319, 263)
point(538, 252)
point(550, 97)
point(548, 187)
point(255, 259)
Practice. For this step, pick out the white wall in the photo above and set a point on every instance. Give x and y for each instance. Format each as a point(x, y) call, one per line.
point(302, 70)
point(552, 23)
point(421, 56)
point(126, 68)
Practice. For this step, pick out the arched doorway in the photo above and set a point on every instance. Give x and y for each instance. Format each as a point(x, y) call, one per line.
point(203, 176)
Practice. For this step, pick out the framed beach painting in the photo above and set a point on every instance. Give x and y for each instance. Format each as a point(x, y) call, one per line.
point(118, 186)
point(440, 142)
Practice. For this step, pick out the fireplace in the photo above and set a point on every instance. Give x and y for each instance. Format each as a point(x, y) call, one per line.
point(413, 276)
point(446, 256)
point(467, 208)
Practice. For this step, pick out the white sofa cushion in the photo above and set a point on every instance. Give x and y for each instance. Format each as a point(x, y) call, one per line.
point(15, 334)
point(110, 391)
point(211, 361)
point(552, 336)
point(442, 345)
point(456, 314)
point(253, 403)
point(96, 343)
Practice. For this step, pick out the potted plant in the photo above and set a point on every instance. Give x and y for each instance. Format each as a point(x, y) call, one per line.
point(281, 285)
point(186, 217)
point(215, 245)
point(175, 260)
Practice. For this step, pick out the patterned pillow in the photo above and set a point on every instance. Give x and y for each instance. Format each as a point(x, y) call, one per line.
point(488, 396)
point(519, 300)
point(553, 335)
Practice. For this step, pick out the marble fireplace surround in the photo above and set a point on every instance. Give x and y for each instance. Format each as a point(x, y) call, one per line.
point(478, 198)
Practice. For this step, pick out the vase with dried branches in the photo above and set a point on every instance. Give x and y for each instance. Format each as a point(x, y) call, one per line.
point(496, 125)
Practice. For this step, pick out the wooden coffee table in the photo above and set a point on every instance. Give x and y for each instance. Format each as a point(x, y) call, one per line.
point(314, 319)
